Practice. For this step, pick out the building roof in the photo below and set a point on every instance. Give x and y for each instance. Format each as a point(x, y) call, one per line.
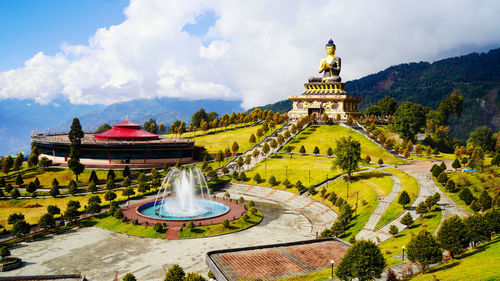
point(126, 130)
point(276, 260)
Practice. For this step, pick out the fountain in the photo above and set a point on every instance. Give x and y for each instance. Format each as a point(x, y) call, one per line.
point(185, 183)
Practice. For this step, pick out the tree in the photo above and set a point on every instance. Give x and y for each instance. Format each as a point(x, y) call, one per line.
point(19, 180)
point(482, 137)
point(21, 228)
point(363, 260)
point(54, 191)
point(485, 200)
point(103, 128)
point(450, 186)
point(478, 229)
point(252, 138)
point(31, 187)
point(71, 213)
point(404, 198)
point(387, 105)
point(421, 209)
point(158, 227)
point(75, 137)
point(225, 223)
point(8, 188)
point(198, 117)
point(7, 163)
point(466, 195)
point(316, 150)
point(129, 191)
point(442, 178)
point(161, 128)
point(109, 196)
point(272, 181)
point(235, 147)
point(44, 162)
point(408, 119)
point(53, 209)
point(373, 110)
point(257, 178)
point(424, 250)
point(348, 153)
point(248, 159)
point(190, 226)
point(15, 217)
point(4, 252)
point(393, 230)
point(330, 151)
point(129, 276)
point(18, 162)
point(475, 206)
point(407, 220)
point(453, 235)
point(302, 149)
point(15, 193)
point(72, 188)
point(456, 164)
point(239, 162)
point(118, 213)
point(175, 273)
point(496, 160)
point(280, 139)
point(33, 158)
point(47, 221)
point(110, 184)
point(243, 176)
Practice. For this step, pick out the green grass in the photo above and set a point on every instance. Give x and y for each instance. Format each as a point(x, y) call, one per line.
point(296, 169)
point(216, 165)
point(218, 229)
point(219, 141)
point(488, 179)
point(367, 201)
point(383, 184)
point(392, 247)
point(210, 131)
point(113, 224)
point(409, 184)
point(324, 136)
point(480, 264)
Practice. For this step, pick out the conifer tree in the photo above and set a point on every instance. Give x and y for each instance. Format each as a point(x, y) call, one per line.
point(424, 250)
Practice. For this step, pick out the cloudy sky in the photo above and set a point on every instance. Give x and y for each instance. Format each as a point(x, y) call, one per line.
point(101, 52)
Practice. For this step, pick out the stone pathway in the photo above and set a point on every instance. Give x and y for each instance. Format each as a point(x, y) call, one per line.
point(320, 215)
point(368, 232)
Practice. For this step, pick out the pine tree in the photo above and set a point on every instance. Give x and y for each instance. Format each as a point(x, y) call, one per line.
point(363, 260)
point(450, 186)
point(126, 171)
point(424, 250)
point(456, 164)
point(407, 220)
point(75, 136)
point(466, 195)
point(478, 228)
point(404, 198)
point(453, 236)
point(302, 149)
point(19, 180)
point(485, 200)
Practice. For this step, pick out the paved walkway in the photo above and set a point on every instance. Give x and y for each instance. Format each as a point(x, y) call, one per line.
point(100, 253)
point(368, 232)
point(320, 215)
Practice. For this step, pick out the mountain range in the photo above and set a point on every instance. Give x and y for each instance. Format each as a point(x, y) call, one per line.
point(476, 76)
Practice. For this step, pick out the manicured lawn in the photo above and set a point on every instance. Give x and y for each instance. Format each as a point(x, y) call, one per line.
point(219, 141)
point(292, 169)
point(217, 229)
point(409, 184)
point(392, 247)
point(480, 264)
point(113, 224)
point(383, 184)
point(216, 165)
point(23, 167)
point(64, 176)
point(200, 132)
point(367, 201)
point(324, 136)
point(33, 209)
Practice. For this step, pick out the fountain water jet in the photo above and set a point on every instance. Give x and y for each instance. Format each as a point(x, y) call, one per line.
point(184, 206)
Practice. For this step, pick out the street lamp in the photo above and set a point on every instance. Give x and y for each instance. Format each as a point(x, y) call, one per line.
point(332, 262)
point(403, 257)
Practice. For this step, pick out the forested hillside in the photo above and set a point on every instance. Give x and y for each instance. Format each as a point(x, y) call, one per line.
point(476, 76)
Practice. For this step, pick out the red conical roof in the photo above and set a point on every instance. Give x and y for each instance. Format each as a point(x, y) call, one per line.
point(126, 130)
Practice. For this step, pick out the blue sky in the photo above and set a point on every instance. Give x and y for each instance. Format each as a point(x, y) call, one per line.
point(32, 26)
point(220, 49)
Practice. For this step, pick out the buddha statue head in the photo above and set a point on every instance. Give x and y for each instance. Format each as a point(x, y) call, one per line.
point(330, 48)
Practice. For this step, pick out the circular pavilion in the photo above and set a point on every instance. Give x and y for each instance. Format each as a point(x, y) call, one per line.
point(124, 144)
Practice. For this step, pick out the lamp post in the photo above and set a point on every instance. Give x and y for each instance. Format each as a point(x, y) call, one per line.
point(286, 172)
point(403, 257)
point(332, 262)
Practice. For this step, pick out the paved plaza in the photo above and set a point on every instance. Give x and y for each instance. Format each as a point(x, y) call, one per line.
point(99, 253)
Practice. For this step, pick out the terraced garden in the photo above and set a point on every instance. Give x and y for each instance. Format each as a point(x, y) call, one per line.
point(324, 137)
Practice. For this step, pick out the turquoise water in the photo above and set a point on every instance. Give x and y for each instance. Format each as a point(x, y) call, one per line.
point(208, 209)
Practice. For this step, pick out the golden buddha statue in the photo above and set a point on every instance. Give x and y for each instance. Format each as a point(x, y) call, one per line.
point(330, 66)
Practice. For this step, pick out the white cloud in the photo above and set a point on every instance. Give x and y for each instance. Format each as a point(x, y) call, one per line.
point(258, 51)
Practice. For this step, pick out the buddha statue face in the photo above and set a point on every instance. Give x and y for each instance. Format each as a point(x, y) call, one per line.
point(330, 50)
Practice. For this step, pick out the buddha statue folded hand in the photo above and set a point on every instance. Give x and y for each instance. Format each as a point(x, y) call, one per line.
point(329, 66)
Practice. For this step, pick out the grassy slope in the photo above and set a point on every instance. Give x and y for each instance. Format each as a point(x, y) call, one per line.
point(367, 194)
point(219, 141)
point(382, 184)
point(200, 132)
point(64, 176)
point(324, 136)
point(297, 169)
point(409, 184)
point(217, 229)
point(392, 247)
point(480, 264)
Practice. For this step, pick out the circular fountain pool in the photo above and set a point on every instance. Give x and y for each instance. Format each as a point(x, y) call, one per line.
point(171, 209)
